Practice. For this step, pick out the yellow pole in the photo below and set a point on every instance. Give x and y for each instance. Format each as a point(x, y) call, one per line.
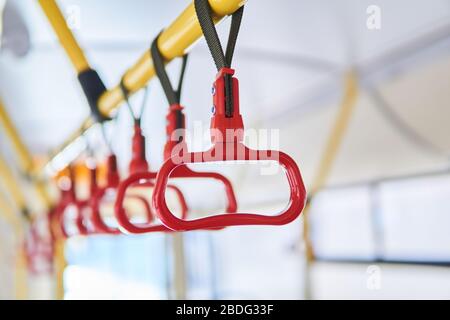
point(60, 265)
point(179, 270)
point(24, 157)
point(330, 152)
point(26, 164)
point(20, 269)
point(7, 211)
point(21, 273)
point(12, 185)
point(173, 42)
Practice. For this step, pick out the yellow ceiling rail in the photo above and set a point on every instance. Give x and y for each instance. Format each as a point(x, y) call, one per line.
point(172, 43)
point(330, 152)
point(24, 157)
point(65, 35)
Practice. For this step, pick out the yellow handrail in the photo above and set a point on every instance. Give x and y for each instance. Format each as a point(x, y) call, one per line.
point(21, 273)
point(65, 36)
point(60, 264)
point(172, 43)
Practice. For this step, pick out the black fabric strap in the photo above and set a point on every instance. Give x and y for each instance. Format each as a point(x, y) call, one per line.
point(93, 88)
point(125, 94)
point(182, 72)
point(236, 19)
point(204, 15)
point(124, 89)
point(173, 96)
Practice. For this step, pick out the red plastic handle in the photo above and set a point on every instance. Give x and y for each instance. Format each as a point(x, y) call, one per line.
point(172, 165)
point(39, 248)
point(175, 119)
point(98, 226)
point(60, 212)
point(80, 205)
point(97, 221)
point(67, 197)
point(95, 216)
point(139, 170)
point(227, 136)
point(182, 172)
point(124, 219)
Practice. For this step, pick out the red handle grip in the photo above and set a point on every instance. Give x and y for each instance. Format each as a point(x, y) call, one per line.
point(39, 248)
point(60, 212)
point(219, 152)
point(123, 218)
point(79, 219)
point(95, 217)
point(67, 196)
point(97, 221)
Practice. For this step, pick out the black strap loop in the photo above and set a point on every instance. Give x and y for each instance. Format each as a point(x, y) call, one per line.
point(125, 94)
point(204, 16)
point(173, 96)
point(108, 140)
point(93, 88)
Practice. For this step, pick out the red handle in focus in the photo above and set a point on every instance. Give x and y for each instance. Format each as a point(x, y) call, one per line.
point(295, 207)
point(227, 135)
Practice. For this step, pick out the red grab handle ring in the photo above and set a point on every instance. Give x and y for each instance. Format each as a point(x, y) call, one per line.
point(97, 221)
point(95, 217)
point(39, 247)
point(60, 213)
point(217, 153)
point(227, 136)
point(80, 205)
point(123, 218)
